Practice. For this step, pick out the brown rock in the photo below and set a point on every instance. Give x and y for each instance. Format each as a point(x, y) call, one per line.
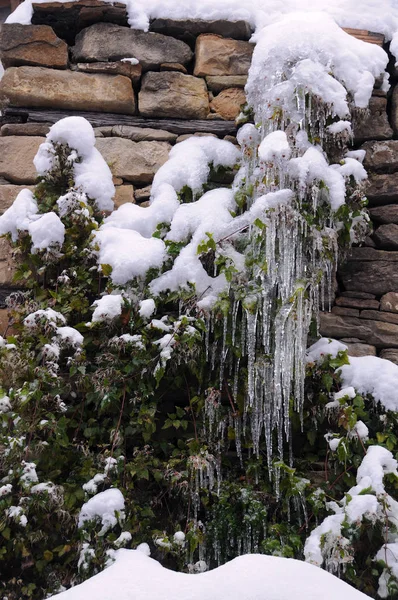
point(38, 129)
point(377, 277)
point(358, 349)
point(228, 103)
point(124, 194)
point(394, 110)
point(7, 263)
point(117, 181)
point(373, 124)
point(231, 138)
point(108, 42)
point(119, 67)
point(390, 354)
point(215, 55)
point(35, 45)
point(143, 134)
point(379, 315)
point(8, 193)
point(382, 189)
point(4, 322)
point(47, 88)
point(347, 312)
point(357, 302)
point(376, 333)
point(189, 29)
point(385, 214)
point(381, 155)
point(386, 237)
point(173, 67)
point(219, 83)
point(133, 161)
point(389, 302)
point(186, 136)
point(143, 194)
point(173, 95)
point(16, 158)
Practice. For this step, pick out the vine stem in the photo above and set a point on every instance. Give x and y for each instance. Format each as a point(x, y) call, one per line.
point(119, 421)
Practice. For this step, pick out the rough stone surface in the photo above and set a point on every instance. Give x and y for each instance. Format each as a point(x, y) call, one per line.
point(4, 322)
point(385, 214)
point(218, 83)
point(358, 349)
point(381, 155)
point(105, 41)
point(347, 312)
point(370, 270)
point(370, 254)
point(143, 194)
point(390, 354)
point(386, 237)
point(173, 67)
point(8, 193)
point(228, 103)
point(189, 29)
point(362, 295)
point(171, 94)
point(215, 55)
point(133, 161)
point(375, 125)
point(124, 194)
point(119, 67)
point(143, 134)
point(40, 129)
point(48, 88)
point(382, 189)
point(7, 263)
point(379, 315)
point(376, 333)
point(357, 302)
point(16, 158)
point(389, 302)
point(31, 45)
point(394, 110)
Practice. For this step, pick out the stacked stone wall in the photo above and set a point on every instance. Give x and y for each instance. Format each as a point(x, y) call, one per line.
point(78, 58)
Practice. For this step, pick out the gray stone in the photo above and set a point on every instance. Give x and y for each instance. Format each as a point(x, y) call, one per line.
point(381, 155)
point(376, 276)
point(357, 302)
point(358, 349)
point(376, 333)
point(143, 134)
point(8, 193)
point(173, 67)
point(40, 129)
point(385, 214)
point(172, 94)
point(107, 42)
point(37, 87)
point(35, 45)
point(386, 237)
point(363, 295)
point(217, 84)
point(394, 110)
point(16, 158)
point(189, 29)
point(215, 55)
point(368, 241)
point(382, 189)
point(347, 312)
point(379, 315)
point(372, 255)
point(390, 354)
point(372, 124)
point(133, 161)
point(119, 67)
point(389, 302)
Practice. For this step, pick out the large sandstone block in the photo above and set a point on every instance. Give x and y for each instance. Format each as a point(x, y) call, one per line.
point(376, 333)
point(385, 214)
point(389, 302)
point(390, 354)
point(377, 275)
point(382, 189)
point(386, 237)
point(119, 67)
point(47, 88)
point(169, 94)
point(189, 29)
point(215, 55)
point(374, 124)
point(8, 193)
point(104, 41)
point(381, 155)
point(133, 161)
point(228, 103)
point(35, 45)
point(218, 83)
point(16, 158)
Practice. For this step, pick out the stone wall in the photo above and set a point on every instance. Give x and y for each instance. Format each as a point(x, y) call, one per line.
point(77, 58)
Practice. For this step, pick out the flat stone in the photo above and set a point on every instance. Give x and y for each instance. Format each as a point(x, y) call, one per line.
point(382, 189)
point(228, 103)
point(173, 67)
point(143, 194)
point(35, 45)
point(386, 237)
point(358, 349)
point(8, 193)
point(186, 136)
point(143, 134)
point(374, 276)
point(215, 55)
point(173, 95)
point(103, 131)
point(389, 302)
point(348, 312)
point(124, 194)
point(368, 241)
point(390, 354)
point(40, 129)
point(363, 295)
point(133, 161)
point(108, 42)
point(68, 18)
point(357, 302)
point(381, 155)
point(217, 84)
point(379, 315)
point(189, 29)
point(394, 110)
point(119, 67)
point(376, 333)
point(38, 87)
point(385, 214)
point(16, 158)
point(373, 124)
point(372, 255)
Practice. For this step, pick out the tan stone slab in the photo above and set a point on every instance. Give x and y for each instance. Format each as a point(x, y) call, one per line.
point(48, 88)
point(376, 333)
point(124, 194)
point(16, 158)
point(119, 67)
point(217, 83)
point(215, 55)
point(31, 45)
point(228, 103)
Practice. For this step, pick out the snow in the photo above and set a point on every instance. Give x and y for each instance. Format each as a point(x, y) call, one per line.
point(107, 308)
point(274, 147)
point(136, 576)
point(70, 336)
point(339, 127)
point(50, 316)
point(347, 392)
point(378, 462)
point(46, 232)
point(147, 308)
point(105, 506)
point(18, 217)
point(322, 348)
